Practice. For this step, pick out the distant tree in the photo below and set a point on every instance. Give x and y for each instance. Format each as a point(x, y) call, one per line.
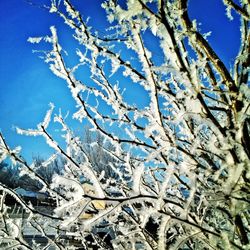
point(11, 175)
point(98, 151)
point(100, 154)
point(181, 156)
point(48, 171)
point(43, 170)
point(8, 174)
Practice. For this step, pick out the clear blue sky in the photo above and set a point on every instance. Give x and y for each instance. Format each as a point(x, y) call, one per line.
point(27, 85)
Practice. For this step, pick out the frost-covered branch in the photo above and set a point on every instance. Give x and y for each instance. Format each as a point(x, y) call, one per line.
point(168, 169)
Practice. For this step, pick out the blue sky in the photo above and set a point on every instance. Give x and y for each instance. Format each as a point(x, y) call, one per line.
point(26, 84)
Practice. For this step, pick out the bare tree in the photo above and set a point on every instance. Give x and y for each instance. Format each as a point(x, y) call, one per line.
point(185, 152)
